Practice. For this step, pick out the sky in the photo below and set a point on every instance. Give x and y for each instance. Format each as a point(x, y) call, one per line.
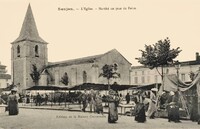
point(127, 26)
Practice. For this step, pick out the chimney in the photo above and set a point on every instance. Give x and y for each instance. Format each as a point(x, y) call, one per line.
point(197, 56)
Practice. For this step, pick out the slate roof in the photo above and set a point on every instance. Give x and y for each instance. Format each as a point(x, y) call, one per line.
point(29, 30)
point(89, 59)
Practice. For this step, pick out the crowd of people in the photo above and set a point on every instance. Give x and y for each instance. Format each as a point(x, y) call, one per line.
point(167, 101)
point(146, 103)
point(94, 101)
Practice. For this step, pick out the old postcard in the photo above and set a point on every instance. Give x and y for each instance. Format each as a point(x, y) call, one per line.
point(93, 64)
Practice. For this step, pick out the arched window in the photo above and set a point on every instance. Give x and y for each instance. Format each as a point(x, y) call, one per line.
point(36, 51)
point(84, 77)
point(115, 65)
point(18, 51)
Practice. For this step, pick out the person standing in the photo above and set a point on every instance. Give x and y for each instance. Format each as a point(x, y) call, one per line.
point(120, 97)
point(113, 100)
point(98, 102)
point(173, 108)
point(13, 102)
point(46, 98)
point(140, 110)
point(127, 98)
point(27, 98)
point(38, 99)
point(152, 104)
point(84, 100)
point(91, 100)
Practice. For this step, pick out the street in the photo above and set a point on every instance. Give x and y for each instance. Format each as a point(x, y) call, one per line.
point(58, 119)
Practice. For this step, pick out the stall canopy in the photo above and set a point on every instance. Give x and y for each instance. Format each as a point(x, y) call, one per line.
point(172, 83)
point(48, 88)
point(83, 86)
point(146, 87)
point(101, 86)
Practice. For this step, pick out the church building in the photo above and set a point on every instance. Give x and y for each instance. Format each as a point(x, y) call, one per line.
point(30, 50)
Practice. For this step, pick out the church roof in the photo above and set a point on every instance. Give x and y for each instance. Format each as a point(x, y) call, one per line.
point(89, 59)
point(29, 30)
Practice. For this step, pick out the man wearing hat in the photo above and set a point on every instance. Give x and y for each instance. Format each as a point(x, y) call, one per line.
point(13, 102)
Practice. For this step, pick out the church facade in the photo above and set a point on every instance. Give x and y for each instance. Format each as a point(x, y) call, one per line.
point(30, 49)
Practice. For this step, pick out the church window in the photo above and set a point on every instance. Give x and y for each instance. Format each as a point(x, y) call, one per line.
point(36, 51)
point(115, 65)
point(84, 77)
point(18, 51)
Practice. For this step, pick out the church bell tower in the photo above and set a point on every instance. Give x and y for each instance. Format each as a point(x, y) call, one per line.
point(27, 50)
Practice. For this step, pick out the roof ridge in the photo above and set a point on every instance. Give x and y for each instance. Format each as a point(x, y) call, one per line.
point(77, 59)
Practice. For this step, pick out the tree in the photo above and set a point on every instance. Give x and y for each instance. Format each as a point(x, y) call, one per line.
point(158, 55)
point(109, 71)
point(35, 75)
point(65, 79)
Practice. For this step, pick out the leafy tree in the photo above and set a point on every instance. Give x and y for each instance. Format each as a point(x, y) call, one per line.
point(158, 55)
point(109, 71)
point(35, 75)
point(65, 79)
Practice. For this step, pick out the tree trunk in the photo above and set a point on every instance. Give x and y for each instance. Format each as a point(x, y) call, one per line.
point(65, 98)
point(36, 83)
point(162, 78)
point(162, 72)
point(198, 95)
point(108, 85)
point(199, 109)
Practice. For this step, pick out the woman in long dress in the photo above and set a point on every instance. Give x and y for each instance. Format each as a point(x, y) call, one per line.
point(173, 108)
point(113, 100)
point(140, 110)
point(13, 103)
point(98, 102)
